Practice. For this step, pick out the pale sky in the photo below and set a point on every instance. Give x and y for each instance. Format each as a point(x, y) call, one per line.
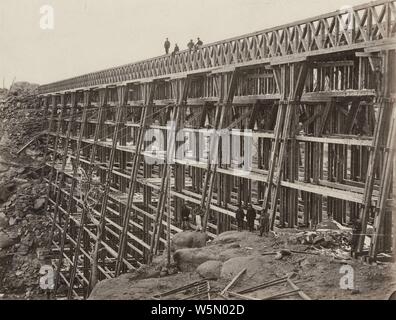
point(90, 35)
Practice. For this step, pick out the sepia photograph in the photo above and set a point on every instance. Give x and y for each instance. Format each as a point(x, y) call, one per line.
point(214, 151)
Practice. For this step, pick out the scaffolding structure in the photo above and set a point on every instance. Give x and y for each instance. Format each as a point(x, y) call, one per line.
point(298, 120)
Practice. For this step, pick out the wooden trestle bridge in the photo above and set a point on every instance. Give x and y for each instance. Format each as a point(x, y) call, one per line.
point(315, 98)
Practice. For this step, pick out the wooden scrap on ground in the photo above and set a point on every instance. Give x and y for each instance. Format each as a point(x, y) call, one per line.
point(300, 292)
point(264, 285)
point(180, 289)
point(233, 282)
point(200, 294)
point(305, 252)
point(269, 253)
point(240, 296)
point(31, 141)
point(282, 294)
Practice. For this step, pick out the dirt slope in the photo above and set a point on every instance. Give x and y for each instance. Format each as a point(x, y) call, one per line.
point(316, 272)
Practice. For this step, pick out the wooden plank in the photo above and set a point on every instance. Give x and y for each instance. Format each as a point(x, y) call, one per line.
point(300, 292)
point(282, 294)
point(31, 141)
point(180, 289)
point(239, 296)
point(233, 282)
point(264, 285)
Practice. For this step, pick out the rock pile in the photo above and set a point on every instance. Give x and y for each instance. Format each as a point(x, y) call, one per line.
point(20, 120)
point(24, 225)
point(330, 235)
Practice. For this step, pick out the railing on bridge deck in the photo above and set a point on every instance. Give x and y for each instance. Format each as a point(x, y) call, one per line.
point(358, 27)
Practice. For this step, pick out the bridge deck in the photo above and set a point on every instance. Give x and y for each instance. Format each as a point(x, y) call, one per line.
point(361, 27)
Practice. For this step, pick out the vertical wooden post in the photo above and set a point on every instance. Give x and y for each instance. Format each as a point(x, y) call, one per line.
point(227, 98)
point(61, 172)
point(122, 92)
point(374, 152)
point(149, 96)
point(386, 182)
point(294, 89)
point(181, 95)
point(102, 103)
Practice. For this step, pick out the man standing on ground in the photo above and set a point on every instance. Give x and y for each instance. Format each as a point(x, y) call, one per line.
point(356, 230)
point(199, 212)
point(185, 212)
point(264, 223)
point(240, 217)
point(167, 46)
point(251, 217)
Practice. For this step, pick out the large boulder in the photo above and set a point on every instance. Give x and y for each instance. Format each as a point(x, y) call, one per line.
point(228, 237)
point(234, 237)
point(5, 241)
point(188, 239)
point(189, 259)
point(210, 270)
point(255, 266)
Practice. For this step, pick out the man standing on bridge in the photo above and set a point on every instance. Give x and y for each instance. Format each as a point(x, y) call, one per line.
point(199, 43)
point(190, 45)
point(167, 46)
point(176, 50)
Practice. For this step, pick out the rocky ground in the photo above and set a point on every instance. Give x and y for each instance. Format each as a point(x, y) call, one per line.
point(23, 223)
point(312, 259)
